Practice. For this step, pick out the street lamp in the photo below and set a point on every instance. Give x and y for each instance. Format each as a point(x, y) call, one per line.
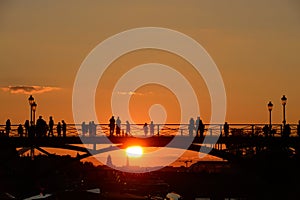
point(33, 108)
point(32, 121)
point(270, 107)
point(31, 101)
point(283, 102)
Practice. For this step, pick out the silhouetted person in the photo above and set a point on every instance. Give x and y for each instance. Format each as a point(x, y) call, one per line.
point(51, 124)
point(197, 128)
point(127, 128)
point(118, 126)
point(201, 128)
point(93, 128)
point(226, 129)
point(58, 129)
point(112, 126)
point(151, 126)
point(64, 128)
point(84, 128)
point(286, 131)
point(20, 130)
point(266, 130)
point(41, 127)
point(298, 128)
point(145, 127)
point(191, 127)
point(26, 126)
point(7, 127)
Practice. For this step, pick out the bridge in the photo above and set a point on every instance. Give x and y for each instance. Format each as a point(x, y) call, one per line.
point(242, 142)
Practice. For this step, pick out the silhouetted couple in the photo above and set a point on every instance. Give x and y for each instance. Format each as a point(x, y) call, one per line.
point(200, 127)
point(151, 127)
point(61, 127)
point(114, 123)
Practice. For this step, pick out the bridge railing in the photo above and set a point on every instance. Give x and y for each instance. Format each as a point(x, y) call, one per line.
point(167, 130)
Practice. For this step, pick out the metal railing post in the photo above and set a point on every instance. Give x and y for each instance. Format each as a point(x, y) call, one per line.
point(221, 130)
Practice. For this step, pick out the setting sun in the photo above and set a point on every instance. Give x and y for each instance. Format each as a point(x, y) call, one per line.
point(134, 151)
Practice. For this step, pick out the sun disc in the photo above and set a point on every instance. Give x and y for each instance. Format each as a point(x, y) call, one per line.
point(134, 151)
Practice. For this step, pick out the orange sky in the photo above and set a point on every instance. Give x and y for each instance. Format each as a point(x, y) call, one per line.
point(255, 45)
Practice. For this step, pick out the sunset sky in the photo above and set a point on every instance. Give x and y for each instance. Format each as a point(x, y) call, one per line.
point(255, 45)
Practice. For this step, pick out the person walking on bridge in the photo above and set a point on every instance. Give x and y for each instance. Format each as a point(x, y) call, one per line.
point(145, 127)
point(151, 126)
point(51, 124)
point(112, 126)
point(191, 127)
point(41, 127)
point(199, 127)
point(93, 128)
point(84, 129)
point(118, 126)
point(58, 129)
point(64, 128)
point(127, 128)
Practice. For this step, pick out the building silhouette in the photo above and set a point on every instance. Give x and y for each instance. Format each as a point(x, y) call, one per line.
point(109, 162)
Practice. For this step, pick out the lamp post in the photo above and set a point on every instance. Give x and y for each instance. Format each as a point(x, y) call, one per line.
point(31, 101)
point(33, 108)
point(270, 107)
point(283, 102)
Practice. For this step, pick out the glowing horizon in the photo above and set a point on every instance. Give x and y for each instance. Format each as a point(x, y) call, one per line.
point(134, 151)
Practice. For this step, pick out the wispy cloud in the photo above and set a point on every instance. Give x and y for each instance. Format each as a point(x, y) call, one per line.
point(134, 93)
point(129, 93)
point(25, 89)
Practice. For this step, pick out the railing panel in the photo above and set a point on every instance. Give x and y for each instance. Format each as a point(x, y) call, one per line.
point(167, 130)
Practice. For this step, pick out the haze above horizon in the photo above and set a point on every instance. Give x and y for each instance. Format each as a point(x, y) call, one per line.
point(255, 45)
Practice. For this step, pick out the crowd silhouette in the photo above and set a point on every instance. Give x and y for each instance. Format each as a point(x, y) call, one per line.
point(38, 129)
point(196, 128)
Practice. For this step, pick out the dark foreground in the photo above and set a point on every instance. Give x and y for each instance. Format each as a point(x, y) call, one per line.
point(271, 176)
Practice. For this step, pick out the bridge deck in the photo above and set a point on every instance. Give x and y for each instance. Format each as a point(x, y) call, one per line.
point(155, 141)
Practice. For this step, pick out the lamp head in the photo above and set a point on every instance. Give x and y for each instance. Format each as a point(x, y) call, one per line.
point(30, 100)
point(33, 106)
point(283, 100)
point(270, 106)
